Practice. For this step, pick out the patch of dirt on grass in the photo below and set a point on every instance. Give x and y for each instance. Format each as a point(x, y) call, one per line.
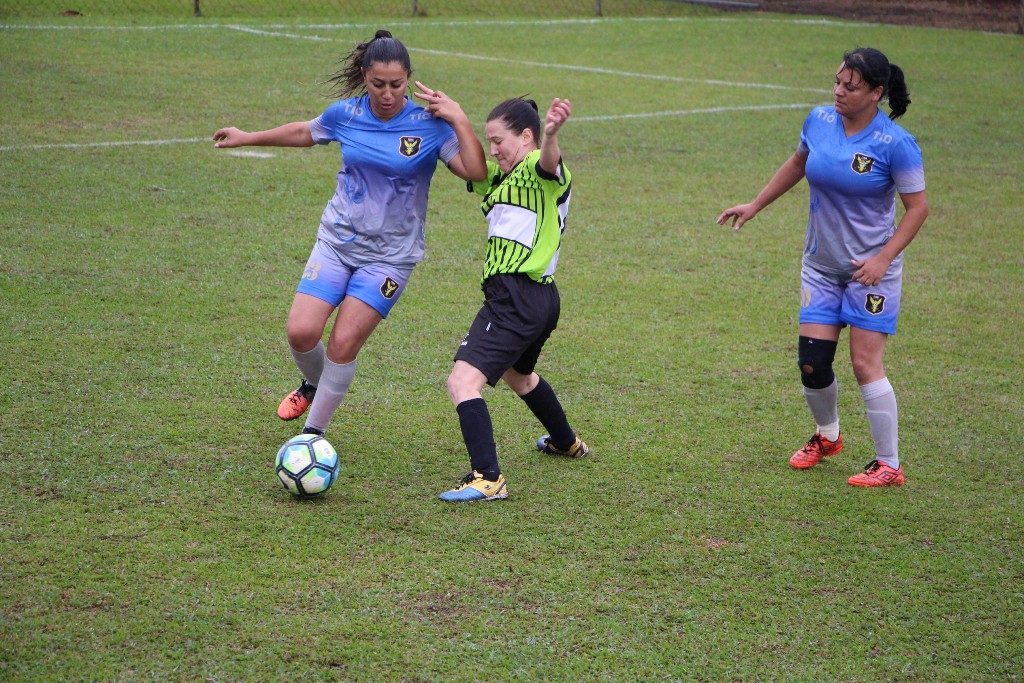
point(997, 16)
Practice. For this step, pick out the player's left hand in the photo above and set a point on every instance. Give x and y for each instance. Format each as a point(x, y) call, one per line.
point(558, 113)
point(439, 104)
point(870, 271)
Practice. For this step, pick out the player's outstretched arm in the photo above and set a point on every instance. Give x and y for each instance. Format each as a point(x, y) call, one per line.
point(550, 154)
point(470, 163)
point(295, 134)
point(789, 174)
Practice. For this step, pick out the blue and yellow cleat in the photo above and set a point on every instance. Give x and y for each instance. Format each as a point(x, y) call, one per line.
point(474, 487)
point(577, 450)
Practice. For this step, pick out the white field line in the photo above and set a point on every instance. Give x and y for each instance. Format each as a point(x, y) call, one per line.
point(687, 112)
point(549, 65)
point(613, 72)
point(574, 119)
point(86, 145)
point(460, 55)
point(481, 22)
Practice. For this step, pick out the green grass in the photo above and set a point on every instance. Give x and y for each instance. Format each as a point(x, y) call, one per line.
point(341, 10)
point(144, 291)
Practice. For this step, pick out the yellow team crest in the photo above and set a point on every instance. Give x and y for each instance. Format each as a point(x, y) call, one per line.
point(874, 303)
point(388, 288)
point(862, 163)
point(409, 145)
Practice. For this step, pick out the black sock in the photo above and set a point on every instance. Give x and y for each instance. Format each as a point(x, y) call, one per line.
point(543, 403)
point(478, 434)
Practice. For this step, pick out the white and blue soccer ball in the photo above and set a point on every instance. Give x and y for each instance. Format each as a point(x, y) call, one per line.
point(307, 465)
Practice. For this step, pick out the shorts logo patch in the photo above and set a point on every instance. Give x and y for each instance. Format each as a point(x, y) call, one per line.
point(388, 288)
point(862, 163)
point(874, 303)
point(311, 271)
point(409, 145)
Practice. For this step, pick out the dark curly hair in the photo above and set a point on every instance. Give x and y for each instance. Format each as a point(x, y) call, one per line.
point(383, 47)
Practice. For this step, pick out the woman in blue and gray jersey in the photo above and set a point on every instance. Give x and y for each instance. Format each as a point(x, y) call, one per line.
point(855, 159)
point(371, 233)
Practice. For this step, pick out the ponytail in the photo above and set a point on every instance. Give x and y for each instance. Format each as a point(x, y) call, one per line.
point(899, 98)
point(876, 70)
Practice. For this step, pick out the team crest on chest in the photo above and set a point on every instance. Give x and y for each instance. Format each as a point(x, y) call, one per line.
point(388, 288)
point(874, 303)
point(862, 163)
point(409, 145)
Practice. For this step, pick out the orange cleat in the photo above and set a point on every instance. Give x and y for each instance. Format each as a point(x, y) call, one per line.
point(878, 474)
point(297, 402)
point(816, 449)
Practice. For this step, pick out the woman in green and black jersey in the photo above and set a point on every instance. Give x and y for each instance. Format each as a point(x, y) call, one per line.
point(526, 200)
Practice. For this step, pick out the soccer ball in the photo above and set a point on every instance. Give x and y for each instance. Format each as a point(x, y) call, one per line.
point(306, 465)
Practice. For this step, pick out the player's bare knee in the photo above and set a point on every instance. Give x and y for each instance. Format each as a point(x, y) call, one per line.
point(520, 383)
point(866, 369)
point(815, 358)
point(342, 350)
point(302, 340)
point(453, 385)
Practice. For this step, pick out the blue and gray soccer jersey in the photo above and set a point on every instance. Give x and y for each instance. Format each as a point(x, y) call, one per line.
point(853, 183)
point(379, 209)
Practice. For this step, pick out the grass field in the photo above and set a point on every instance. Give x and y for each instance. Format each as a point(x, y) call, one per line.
point(145, 279)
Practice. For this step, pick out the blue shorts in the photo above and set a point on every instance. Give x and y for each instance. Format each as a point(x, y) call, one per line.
point(378, 284)
point(831, 299)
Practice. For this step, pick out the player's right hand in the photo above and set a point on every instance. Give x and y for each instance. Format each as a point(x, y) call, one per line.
point(228, 137)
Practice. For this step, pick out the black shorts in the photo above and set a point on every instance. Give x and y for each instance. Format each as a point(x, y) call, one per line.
point(517, 317)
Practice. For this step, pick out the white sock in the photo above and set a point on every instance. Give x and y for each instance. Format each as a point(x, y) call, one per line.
point(829, 431)
point(880, 400)
point(824, 405)
point(310, 363)
point(334, 383)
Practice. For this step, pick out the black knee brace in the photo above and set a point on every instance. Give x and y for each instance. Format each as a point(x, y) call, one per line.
point(815, 357)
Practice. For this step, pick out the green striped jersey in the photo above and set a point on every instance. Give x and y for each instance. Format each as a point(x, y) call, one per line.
point(526, 212)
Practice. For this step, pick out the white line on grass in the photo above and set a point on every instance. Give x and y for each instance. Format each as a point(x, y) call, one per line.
point(613, 72)
point(468, 22)
point(275, 34)
point(443, 53)
point(502, 60)
point(84, 145)
point(548, 65)
point(575, 119)
point(687, 112)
